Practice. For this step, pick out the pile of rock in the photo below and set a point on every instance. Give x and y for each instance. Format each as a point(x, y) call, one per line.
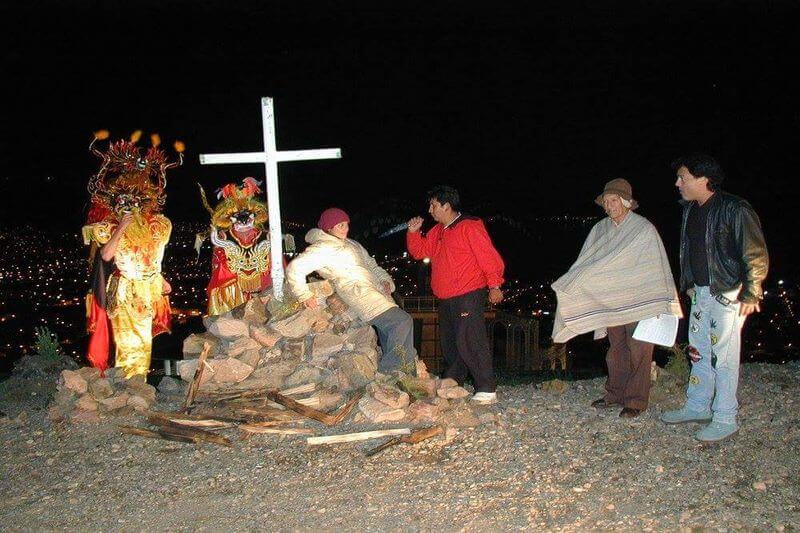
point(84, 396)
point(328, 352)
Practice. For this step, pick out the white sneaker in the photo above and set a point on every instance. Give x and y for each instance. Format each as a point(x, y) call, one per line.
point(484, 398)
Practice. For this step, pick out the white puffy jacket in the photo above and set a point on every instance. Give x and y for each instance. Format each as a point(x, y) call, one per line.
point(355, 275)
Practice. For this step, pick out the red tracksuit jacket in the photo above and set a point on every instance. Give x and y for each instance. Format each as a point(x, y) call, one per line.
point(463, 258)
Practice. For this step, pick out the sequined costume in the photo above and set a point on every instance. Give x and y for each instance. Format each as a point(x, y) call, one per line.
point(240, 262)
point(135, 305)
point(128, 290)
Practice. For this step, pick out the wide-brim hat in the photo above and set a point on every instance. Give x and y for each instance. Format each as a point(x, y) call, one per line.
point(621, 188)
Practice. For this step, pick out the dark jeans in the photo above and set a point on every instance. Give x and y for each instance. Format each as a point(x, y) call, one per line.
point(628, 363)
point(396, 333)
point(465, 345)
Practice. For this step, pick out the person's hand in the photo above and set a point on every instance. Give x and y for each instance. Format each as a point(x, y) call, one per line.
point(387, 287)
point(311, 303)
point(748, 309)
point(125, 221)
point(415, 224)
point(690, 292)
point(495, 296)
point(166, 288)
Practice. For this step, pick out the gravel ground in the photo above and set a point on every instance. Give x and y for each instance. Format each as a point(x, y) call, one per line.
point(548, 461)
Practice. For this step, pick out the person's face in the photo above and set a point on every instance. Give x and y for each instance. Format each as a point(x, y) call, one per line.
point(439, 212)
point(614, 208)
point(691, 187)
point(127, 203)
point(243, 220)
point(340, 230)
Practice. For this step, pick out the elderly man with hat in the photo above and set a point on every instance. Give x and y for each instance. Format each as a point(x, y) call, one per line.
point(358, 280)
point(621, 276)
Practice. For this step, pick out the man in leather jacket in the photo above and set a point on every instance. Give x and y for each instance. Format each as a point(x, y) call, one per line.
point(724, 261)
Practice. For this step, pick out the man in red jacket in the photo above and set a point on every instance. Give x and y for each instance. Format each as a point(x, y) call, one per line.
point(464, 263)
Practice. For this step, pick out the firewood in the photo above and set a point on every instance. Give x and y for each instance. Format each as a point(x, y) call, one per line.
point(299, 408)
point(193, 420)
point(276, 431)
point(272, 423)
point(198, 375)
point(314, 414)
point(300, 389)
point(353, 437)
point(208, 423)
point(226, 396)
point(166, 426)
point(345, 410)
point(130, 430)
point(415, 437)
point(266, 413)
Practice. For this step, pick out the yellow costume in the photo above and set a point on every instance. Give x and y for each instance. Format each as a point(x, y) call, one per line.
point(134, 302)
point(128, 290)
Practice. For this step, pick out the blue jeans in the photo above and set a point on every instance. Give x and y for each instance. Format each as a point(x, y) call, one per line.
point(715, 329)
point(396, 334)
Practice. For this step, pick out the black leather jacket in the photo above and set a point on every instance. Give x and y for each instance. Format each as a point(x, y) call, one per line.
point(737, 253)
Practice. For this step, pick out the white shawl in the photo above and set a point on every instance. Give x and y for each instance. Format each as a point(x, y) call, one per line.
point(622, 275)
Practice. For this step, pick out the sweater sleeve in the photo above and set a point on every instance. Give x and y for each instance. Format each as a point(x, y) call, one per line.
point(313, 258)
point(418, 245)
point(489, 260)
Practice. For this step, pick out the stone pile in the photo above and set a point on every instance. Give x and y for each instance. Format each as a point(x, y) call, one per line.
point(84, 395)
point(327, 352)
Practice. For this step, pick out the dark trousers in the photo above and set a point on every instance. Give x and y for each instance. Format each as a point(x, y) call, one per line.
point(465, 346)
point(628, 363)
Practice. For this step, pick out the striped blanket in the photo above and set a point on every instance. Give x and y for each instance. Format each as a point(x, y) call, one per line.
point(622, 275)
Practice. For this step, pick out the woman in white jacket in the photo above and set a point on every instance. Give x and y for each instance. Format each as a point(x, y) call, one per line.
point(360, 283)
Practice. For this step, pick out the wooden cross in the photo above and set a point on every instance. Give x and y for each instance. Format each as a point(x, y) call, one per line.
point(271, 157)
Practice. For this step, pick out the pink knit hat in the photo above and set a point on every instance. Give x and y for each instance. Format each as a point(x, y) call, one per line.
point(330, 217)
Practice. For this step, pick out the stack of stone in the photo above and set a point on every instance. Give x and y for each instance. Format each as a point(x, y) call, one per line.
point(266, 344)
point(84, 396)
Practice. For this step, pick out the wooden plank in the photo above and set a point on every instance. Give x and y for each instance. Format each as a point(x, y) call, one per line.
point(275, 431)
point(167, 427)
point(130, 430)
point(345, 410)
point(314, 414)
point(415, 437)
point(297, 407)
point(300, 389)
point(272, 423)
point(353, 437)
point(198, 374)
point(183, 420)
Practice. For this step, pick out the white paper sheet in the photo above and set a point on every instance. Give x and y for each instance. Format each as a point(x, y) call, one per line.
point(661, 330)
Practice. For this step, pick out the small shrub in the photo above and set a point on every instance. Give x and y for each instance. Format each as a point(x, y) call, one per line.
point(47, 344)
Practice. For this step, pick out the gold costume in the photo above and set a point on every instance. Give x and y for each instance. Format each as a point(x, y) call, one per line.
point(240, 262)
point(134, 301)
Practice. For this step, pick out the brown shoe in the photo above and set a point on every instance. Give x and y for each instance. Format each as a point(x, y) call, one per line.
point(630, 412)
point(603, 404)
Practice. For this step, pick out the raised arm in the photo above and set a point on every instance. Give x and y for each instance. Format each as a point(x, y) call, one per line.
point(109, 249)
point(418, 245)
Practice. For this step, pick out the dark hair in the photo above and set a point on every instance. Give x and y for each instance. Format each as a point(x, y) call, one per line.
point(445, 195)
point(702, 165)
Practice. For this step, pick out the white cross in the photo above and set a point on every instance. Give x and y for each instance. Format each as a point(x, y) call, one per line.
point(271, 157)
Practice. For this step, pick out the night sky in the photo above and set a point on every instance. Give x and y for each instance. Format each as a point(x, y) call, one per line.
point(526, 108)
